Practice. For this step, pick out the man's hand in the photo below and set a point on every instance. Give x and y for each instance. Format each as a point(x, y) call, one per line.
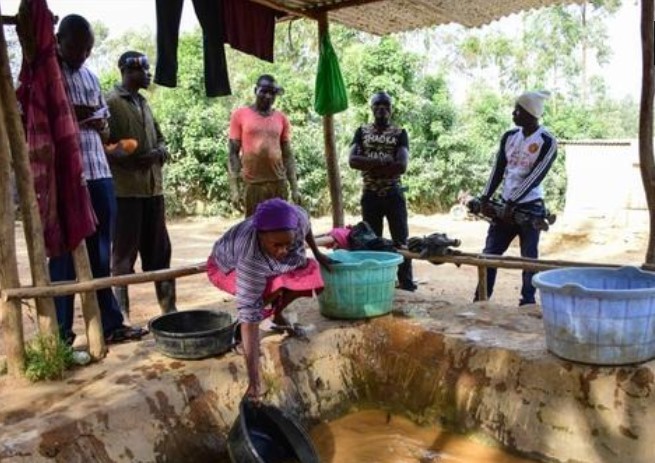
point(83, 112)
point(486, 208)
point(99, 125)
point(236, 198)
point(154, 156)
point(508, 212)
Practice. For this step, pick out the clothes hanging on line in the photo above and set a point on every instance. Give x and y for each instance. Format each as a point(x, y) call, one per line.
point(210, 16)
point(250, 27)
point(246, 26)
point(52, 137)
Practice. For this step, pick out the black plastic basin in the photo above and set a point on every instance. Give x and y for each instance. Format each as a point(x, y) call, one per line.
point(266, 434)
point(192, 334)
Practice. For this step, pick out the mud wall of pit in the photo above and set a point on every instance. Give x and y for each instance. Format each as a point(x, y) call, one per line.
point(530, 402)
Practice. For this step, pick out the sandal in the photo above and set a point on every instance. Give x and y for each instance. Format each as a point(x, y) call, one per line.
point(125, 333)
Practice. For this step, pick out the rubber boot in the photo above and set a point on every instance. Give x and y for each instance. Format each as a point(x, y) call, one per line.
point(166, 295)
point(123, 299)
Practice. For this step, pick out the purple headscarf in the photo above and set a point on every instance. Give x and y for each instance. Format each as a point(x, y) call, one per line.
point(275, 214)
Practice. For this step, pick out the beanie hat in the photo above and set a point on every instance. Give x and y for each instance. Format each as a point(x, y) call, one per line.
point(275, 214)
point(533, 102)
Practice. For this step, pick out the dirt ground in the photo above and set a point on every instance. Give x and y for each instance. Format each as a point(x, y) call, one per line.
point(619, 239)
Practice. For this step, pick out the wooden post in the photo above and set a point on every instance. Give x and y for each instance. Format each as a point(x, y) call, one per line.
point(482, 283)
point(90, 309)
point(646, 160)
point(47, 317)
point(10, 311)
point(331, 158)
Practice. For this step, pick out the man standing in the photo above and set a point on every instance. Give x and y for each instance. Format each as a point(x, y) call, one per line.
point(260, 150)
point(525, 156)
point(141, 219)
point(381, 151)
point(74, 43)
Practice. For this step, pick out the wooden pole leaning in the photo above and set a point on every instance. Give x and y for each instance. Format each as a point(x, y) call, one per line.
point(482, 283)
point(331, 159)
point(45, 308)
point(90, 308)
point(10, 311)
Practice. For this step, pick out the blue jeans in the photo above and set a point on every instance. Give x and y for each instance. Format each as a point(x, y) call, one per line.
point(98, 247)
point(392, 205)
point(501, 235)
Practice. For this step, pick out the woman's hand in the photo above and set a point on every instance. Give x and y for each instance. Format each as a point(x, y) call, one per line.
point(325, 261)
point(253, 393)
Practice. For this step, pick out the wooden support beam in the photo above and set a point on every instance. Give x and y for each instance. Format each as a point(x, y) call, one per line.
point(646, 159)
point(461, 258)
point(47, 317)
point(331, 158)
point(10, 311)
point(90, 309)
point(292, 11)
point(482, 283)
point(62, 289)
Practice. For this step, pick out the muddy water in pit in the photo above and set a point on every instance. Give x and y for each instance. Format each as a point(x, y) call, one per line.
point(373, 436)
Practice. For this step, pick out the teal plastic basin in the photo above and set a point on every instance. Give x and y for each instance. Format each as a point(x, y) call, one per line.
point(360, 286)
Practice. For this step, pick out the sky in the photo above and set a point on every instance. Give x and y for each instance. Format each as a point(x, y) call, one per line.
point(622, 74)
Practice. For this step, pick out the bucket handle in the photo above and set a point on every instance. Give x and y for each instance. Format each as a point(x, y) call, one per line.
point(570, 288)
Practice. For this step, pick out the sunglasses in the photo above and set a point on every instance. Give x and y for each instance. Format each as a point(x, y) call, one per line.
point(275, 90)
point(136, 62)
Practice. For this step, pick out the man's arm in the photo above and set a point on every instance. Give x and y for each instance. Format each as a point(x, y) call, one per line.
point(161, 150)
point(397, 166)
point(290, 167)
point(84, 113)
point(234, 169)
point(356, 160)
point(498, 169)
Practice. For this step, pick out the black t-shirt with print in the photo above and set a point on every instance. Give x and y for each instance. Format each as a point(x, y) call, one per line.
point(380, 144)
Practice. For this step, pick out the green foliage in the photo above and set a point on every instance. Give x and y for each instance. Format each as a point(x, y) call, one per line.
point(452, 145)
point(47, 358)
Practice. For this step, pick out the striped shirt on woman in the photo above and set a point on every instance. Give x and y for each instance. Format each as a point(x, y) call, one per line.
point(83, 89)
point(239, 250)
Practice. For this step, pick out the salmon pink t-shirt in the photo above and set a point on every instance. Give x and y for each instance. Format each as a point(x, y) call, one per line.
point(261, 143)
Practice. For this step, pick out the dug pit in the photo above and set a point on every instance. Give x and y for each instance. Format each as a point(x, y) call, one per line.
point(480, 370)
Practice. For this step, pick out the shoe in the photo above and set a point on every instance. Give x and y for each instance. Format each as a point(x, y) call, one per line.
point(523, 302)
point(411, 287)
point(125, 333)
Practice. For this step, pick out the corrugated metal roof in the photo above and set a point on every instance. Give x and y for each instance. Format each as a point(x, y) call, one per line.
point(390, 16)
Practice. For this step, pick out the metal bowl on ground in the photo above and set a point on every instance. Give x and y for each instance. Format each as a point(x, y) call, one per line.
point(266, 434)
point(193, 334)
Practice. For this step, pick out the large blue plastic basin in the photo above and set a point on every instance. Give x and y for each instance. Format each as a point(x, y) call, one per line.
point(361, 285)
point(603, 316)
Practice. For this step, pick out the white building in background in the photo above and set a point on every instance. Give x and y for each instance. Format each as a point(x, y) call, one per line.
point(604, 181)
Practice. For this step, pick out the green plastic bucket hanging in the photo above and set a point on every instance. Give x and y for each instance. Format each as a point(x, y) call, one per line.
point(330, 95)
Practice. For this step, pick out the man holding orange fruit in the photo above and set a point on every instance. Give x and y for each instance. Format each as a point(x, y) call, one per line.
point(141, 220)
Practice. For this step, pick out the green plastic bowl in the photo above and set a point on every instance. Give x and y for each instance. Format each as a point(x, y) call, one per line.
point(360, 286)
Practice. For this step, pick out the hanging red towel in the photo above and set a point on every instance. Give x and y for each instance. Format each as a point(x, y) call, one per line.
point(52, 138)
point(250, 27)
